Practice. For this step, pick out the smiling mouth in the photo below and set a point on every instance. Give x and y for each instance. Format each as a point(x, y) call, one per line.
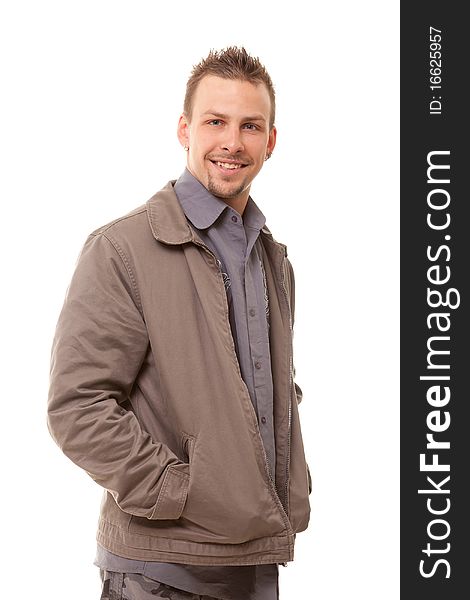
point(228, 166)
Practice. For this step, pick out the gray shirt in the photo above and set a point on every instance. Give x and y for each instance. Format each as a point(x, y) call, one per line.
point(235, 242)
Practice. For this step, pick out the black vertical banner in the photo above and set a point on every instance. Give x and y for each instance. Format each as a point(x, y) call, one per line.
point(435, 301)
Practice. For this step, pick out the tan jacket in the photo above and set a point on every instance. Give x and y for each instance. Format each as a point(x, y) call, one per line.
point(146, 396)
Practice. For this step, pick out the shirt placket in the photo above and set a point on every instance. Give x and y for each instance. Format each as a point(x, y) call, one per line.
point(259, 347)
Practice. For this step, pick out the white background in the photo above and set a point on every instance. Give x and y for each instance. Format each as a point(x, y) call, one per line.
point(91, 94)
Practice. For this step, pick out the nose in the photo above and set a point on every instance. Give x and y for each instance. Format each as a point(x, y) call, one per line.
point(231, 140)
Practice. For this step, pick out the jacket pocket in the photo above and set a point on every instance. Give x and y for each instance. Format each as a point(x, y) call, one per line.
point(187, 442)
point(173, 493)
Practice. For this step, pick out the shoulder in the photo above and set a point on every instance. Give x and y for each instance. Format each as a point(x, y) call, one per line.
point(161, 211)
point(135, 219)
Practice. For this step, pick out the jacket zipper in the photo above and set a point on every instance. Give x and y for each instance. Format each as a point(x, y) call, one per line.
point(291, 377)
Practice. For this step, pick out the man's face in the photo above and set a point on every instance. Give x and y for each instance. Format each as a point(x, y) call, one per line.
point(228, 136)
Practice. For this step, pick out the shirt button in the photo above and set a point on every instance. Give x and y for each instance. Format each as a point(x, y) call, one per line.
point(263, 420)
point(252, 312)
point(234, 218)
point(258, 365)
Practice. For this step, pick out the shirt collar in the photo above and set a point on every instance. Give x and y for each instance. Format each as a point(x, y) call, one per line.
point(203, 208)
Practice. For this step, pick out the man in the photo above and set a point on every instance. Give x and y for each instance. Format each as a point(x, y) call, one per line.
point(172, 375)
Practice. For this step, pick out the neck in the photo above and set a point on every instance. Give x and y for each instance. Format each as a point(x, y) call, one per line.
point(238, 203)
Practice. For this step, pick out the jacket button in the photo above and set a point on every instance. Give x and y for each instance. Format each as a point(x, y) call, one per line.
point(234, 218)
point(263, 419)
point(258, 365)
point(252, 312)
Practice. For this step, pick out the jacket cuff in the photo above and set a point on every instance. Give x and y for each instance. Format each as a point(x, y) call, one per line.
point(173, 493)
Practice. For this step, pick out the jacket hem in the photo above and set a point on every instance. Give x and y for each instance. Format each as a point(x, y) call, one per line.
point(277, 549)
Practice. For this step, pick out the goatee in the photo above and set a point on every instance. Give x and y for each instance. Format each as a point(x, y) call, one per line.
point(216, 189)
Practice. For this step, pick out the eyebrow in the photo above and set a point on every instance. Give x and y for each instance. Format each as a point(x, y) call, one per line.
point(214, 113)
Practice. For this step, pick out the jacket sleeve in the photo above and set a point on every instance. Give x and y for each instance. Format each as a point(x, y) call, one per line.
point(99, 346)
point(291, 281)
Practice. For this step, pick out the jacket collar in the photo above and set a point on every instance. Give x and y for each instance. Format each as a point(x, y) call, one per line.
point(168, 221)
point(166, 217)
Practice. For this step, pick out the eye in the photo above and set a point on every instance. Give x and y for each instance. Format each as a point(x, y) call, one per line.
point(250, 126)
point(215, 122)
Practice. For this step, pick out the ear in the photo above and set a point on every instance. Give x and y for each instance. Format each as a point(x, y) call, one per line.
point(183, 130)
point(271, 141)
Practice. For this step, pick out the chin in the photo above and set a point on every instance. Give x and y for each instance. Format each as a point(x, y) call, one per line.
point(227, 193)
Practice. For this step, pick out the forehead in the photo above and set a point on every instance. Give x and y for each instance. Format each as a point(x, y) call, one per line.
point(231, 96)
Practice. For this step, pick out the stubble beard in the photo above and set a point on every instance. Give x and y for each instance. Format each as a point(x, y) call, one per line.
point(219, 190)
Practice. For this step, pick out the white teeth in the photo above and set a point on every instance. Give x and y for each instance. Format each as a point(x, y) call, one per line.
point(228, 165)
